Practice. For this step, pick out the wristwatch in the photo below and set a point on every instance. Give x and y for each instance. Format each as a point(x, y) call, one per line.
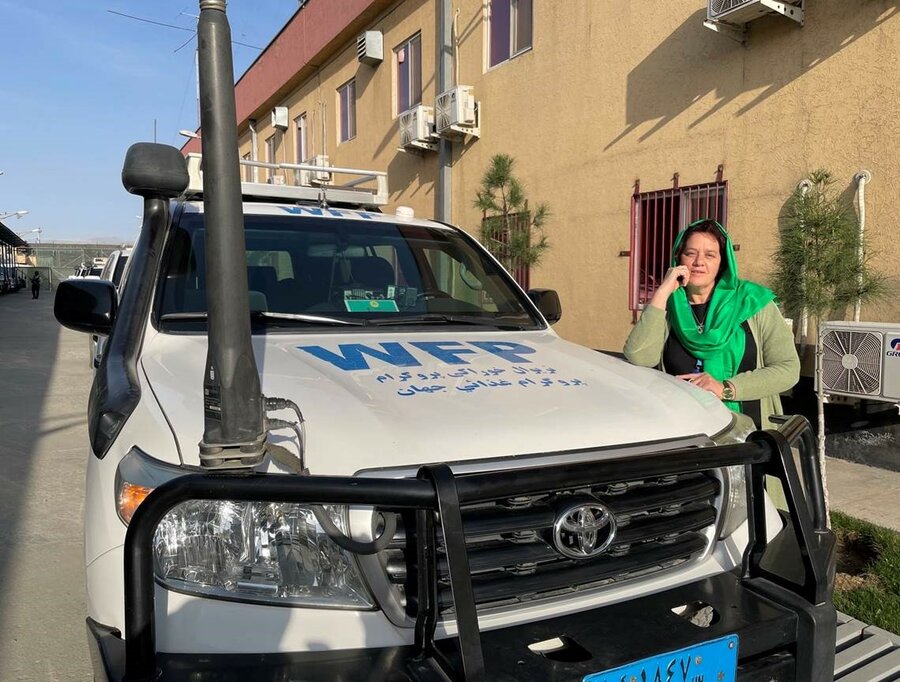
point(727, 391)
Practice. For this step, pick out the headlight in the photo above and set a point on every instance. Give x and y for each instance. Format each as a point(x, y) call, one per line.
point(734, 498)
point(273, 553)
point(258, 552)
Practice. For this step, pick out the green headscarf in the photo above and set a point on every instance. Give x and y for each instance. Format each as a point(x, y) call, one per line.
point(722, 343)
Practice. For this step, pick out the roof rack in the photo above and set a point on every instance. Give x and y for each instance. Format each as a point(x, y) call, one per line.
point(311, 182)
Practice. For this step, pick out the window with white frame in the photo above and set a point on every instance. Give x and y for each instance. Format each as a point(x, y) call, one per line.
point(300, 138)
point(510, 23)
point(408, 57)
point(347, 110)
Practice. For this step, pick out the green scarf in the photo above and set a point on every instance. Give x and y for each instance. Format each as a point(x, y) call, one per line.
point(721, 345)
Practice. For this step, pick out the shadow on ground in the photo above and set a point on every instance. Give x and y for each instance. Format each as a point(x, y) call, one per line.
point(44, 382)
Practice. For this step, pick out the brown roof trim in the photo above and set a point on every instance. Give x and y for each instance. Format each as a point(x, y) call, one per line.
point(315, 31)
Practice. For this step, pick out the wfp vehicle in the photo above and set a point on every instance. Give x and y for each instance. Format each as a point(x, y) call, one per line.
point(334, 443)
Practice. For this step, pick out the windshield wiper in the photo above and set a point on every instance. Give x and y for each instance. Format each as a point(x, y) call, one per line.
point(269, 315)
point(445, 318)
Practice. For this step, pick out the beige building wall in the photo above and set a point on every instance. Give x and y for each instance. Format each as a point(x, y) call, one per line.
point(617, 91)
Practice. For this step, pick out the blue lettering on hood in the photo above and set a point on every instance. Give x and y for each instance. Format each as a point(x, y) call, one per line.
point(327, 212)
point(352, 356)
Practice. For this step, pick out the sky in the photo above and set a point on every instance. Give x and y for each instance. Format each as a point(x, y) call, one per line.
point(80, 84)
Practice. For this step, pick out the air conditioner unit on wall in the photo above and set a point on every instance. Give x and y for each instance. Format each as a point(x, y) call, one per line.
point(417, 128)
point(456, 112)
point(861, 359)
point(743, 11)
point(370, 48)
point(280, 118)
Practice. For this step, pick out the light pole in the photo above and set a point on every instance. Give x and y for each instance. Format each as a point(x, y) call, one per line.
point(13, 214)
point(37, 229)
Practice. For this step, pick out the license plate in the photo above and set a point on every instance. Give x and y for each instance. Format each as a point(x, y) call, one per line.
point(714, 661)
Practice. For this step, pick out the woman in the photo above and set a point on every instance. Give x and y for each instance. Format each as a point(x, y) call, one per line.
point(729, 336)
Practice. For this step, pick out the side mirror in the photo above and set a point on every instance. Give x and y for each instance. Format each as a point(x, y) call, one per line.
point(86, 305)
point(547, 301)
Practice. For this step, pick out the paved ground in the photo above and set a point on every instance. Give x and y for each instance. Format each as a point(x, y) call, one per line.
point(866, 492)
point(44, 383)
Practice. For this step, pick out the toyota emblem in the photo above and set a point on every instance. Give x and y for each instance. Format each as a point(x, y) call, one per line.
point(583, 530)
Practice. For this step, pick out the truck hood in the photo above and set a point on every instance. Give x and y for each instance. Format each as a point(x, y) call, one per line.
point(396, 400)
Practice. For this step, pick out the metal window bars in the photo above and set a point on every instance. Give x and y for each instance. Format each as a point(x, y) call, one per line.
point(656, 218)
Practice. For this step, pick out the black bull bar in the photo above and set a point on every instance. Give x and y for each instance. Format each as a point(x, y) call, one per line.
point(436, 495)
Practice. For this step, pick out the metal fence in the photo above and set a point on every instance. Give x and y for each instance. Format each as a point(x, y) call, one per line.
point(58, 260)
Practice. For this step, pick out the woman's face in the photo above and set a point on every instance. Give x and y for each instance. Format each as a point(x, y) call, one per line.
point(701, 256)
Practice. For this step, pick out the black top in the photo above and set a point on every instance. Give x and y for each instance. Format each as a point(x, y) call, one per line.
point(677, 359)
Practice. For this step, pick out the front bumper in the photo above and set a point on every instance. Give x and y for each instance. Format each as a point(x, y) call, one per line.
point(779, 636)
point(778, 603)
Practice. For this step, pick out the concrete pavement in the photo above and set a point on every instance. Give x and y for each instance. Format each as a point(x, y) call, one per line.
point(868, 493)
point(44, 383)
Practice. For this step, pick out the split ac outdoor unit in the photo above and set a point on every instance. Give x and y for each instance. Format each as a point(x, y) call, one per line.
point(370, 48)
point(743, 11)
point(280, 118)
point(315, 177)
point(455, 112)
point(416, 128)
point(861, 359)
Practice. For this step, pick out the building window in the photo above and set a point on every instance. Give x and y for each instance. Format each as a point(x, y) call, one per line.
point(409, 73)
point(510, 29)
point(347, 99)
point(656, 218)
point(300, 138)
point(246, 169)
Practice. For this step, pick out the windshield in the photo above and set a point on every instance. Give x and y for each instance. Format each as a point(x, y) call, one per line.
point(325, 271)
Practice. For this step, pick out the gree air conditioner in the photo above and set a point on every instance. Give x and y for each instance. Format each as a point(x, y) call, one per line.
point(740, 12)
point(861, 360)
point(456, 113)
point(417, 128)
point(315, 177)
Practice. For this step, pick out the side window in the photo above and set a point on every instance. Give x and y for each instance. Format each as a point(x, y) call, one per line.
point(347, 109)
point(510, 29)
point(408, 57)
point(656, 218)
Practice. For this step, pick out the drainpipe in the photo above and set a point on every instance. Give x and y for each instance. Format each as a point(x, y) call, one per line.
point(444, 67)
point(254, 139)
point(803, 328)
point(861, 178)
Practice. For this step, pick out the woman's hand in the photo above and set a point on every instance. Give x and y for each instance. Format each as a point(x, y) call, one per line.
point(704, 381)
point(670, 284)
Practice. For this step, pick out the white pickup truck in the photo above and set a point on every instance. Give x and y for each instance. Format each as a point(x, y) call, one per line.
point(446, 488)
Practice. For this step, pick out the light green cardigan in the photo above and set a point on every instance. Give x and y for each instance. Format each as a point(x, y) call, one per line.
point(778, 367)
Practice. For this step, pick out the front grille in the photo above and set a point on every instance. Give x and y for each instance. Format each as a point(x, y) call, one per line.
point(661, 523)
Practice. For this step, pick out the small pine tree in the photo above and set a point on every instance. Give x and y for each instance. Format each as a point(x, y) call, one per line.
point(509, 230)
point(819, 271)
